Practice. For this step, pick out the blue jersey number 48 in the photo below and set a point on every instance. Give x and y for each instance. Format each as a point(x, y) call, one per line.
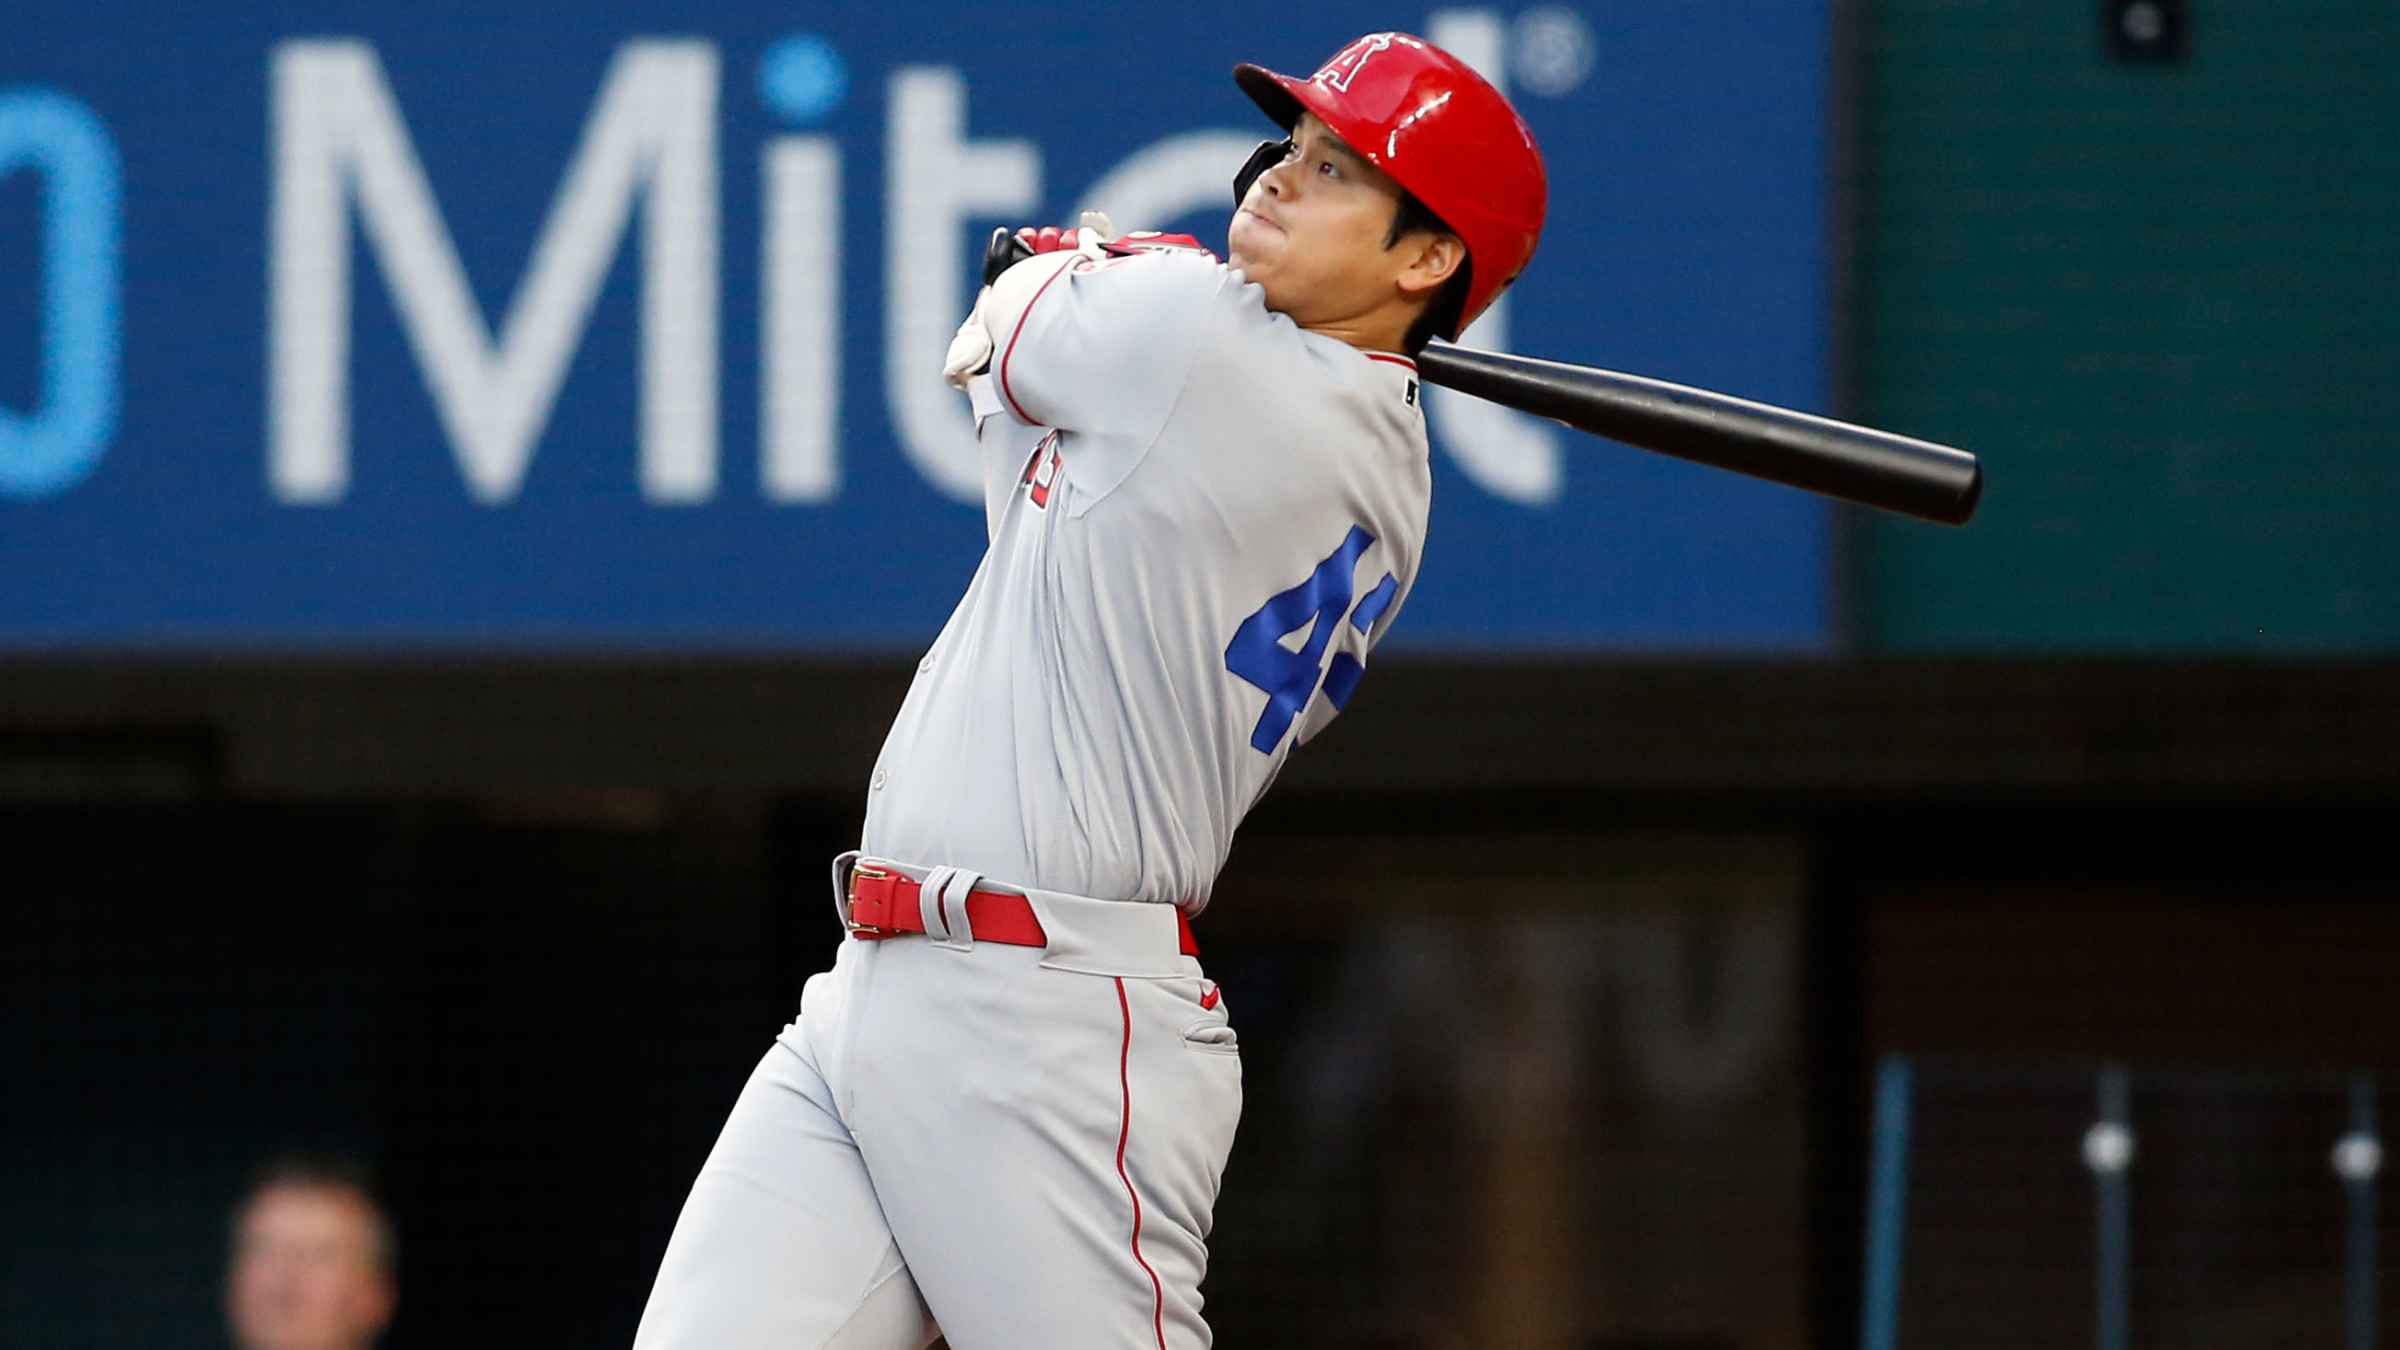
point(1290, 678)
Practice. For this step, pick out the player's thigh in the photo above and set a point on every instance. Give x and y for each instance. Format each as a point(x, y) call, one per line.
point(781, 1244)
point(1054, 1184)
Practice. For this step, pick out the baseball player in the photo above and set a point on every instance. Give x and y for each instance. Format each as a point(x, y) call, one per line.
point(1003, 1115)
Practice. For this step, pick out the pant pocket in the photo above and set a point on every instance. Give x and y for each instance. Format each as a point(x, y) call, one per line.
point(1215, 1038)
point(1208, 1023)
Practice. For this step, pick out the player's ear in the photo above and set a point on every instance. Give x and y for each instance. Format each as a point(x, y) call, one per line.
point(1432, 258)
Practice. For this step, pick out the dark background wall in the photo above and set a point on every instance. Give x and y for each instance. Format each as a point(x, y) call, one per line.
point(2159, 297)
point(1588, 1109)
point(1575, 1014)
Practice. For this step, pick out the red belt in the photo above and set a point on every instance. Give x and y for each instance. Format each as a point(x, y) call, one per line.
point(885, 905)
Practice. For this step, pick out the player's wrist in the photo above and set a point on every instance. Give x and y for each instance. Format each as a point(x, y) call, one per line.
point(1153, 241)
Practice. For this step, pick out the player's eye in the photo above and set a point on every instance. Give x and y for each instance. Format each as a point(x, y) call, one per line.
point(1327, 168)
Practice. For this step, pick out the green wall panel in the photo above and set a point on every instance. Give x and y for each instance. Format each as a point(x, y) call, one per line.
point(2160, 301)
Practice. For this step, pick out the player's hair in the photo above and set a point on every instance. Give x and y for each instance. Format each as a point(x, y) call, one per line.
point(1441, 314)
point(328, 1172)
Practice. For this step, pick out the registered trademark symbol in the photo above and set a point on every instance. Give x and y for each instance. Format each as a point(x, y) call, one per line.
point(1553, 53)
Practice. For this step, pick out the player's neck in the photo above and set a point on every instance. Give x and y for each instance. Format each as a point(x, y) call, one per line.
point(1376, 332)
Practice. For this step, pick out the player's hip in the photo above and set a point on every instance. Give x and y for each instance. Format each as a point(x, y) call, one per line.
point(1100, 1008)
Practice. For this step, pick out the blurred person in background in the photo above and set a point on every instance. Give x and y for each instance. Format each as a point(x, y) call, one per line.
point(314, 1264)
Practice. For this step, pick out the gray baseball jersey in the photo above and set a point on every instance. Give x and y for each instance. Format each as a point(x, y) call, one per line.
point(1202, 518)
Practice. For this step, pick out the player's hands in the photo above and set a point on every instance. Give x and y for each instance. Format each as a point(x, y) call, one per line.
point(1010, 247)
point(1096, 238)
point(1084, 238)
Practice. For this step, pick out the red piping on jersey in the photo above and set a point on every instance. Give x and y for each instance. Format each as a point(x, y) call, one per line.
point(1019, 331)
point(1386, 357)
point(1158, 1295)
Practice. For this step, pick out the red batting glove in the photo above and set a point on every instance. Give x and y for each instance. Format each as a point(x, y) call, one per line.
point(1151, 241)
point(1053, 239)
point(1050, 239)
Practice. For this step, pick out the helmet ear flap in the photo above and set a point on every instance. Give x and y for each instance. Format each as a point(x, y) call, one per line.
point(1265, 157)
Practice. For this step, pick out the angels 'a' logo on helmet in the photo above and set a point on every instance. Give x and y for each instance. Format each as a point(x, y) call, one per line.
point(1343, 68)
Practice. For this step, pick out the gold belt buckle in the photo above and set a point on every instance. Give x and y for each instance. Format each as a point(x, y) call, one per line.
point(850, 924)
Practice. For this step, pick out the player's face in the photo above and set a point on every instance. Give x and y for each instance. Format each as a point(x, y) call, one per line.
point(305, 1274)
point(1313, 230)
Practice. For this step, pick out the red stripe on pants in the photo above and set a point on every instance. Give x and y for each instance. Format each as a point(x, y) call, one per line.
point(1158, 1295)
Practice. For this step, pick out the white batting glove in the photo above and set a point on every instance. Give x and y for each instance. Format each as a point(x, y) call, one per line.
point(1095, 229)
point(970, 348)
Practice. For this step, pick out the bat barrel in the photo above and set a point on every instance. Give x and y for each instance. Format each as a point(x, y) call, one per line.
point(1858, 464)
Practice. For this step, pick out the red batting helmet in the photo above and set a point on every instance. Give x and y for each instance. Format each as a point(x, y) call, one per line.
point(1441, 131)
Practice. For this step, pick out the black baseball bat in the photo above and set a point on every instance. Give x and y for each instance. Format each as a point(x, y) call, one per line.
point(1837, 459)
point(1855, 463)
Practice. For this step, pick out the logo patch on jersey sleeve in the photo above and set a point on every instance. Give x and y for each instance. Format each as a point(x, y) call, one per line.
point(1041, 471)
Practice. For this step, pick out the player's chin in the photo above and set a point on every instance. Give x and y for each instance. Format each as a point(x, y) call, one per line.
point(1251, 242)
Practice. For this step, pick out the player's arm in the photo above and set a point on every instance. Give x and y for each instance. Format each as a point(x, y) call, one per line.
point(1097, 339)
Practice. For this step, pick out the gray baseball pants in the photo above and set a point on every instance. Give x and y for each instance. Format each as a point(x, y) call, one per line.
point(1014, 1147)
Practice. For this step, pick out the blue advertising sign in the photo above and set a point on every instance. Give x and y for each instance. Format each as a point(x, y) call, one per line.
point(367, 326)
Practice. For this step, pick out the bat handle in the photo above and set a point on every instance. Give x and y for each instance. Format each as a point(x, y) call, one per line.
point(1005, 251)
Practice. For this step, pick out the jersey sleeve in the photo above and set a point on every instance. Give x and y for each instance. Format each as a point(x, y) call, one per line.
point(1103, 350)
point(1008, 447)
